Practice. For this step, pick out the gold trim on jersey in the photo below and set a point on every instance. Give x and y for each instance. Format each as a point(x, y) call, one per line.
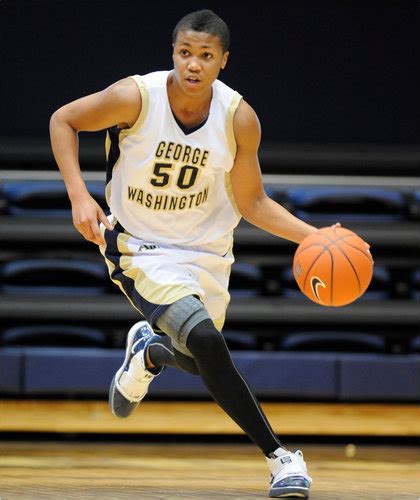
point(144, 107)
point(127, 131)
point(108, 186)
point(111, 268)
point(236, 99)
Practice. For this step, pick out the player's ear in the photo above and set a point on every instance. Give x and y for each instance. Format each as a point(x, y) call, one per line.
point(224, 59)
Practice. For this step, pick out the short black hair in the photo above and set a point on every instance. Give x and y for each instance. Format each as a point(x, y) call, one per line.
point(205, 21)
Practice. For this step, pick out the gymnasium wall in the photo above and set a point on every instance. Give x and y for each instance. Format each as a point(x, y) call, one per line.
point(329, 72)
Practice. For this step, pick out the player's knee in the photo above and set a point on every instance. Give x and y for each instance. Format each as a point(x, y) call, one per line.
point(205, 339)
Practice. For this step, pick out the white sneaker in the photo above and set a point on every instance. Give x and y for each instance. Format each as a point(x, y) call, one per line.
point(289, 476)
point(132, 380)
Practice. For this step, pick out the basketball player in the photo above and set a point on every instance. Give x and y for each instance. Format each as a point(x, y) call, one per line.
point(182, 168)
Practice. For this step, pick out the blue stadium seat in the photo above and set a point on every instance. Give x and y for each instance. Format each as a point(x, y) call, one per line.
point(379, 377)
point(11, 369)
point(415, 345)
point(240, 341)
point(53, 335)
point(344, 204)
point(245, 280)
point(67, 371)
point(49, 276)
point(415, 284)
point(3, 201)
point(380, 288)
point(333, 341)
point(415, 205)
point(43, 198)
point(70, 371)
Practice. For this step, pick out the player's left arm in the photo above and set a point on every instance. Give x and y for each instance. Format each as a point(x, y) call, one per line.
point(252, 201)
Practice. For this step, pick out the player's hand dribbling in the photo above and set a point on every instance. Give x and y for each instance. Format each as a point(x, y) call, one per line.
point(338, 224)
point(86, 214)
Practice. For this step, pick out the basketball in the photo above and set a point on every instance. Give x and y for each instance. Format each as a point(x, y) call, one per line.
point(333, 266)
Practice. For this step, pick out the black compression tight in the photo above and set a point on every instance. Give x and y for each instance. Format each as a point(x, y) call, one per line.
point(213, 362)
point(226, 385)
point(162, 353)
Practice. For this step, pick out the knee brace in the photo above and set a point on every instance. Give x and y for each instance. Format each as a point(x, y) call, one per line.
point(180, 318)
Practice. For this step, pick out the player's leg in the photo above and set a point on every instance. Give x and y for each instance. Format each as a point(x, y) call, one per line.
point(289, 475)
point(194, 336)
point(147, 354)
point(161, 352)
point(192, 332)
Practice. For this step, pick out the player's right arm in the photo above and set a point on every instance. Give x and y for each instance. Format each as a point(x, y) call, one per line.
point(119, 104)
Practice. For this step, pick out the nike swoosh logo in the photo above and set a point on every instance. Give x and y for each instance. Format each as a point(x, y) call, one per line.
point(315, 284)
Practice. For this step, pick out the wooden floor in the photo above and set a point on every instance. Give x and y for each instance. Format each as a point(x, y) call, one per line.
point(63, 470)
point(205, 417)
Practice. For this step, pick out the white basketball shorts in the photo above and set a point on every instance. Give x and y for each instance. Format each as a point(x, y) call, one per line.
point(154, 276)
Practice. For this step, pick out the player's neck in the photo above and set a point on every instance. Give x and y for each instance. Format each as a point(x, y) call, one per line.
point(188, 106)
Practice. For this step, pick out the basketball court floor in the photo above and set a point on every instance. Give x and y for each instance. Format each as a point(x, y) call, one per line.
point(45, 469)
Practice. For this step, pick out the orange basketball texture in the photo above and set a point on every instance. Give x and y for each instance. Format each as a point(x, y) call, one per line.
point(333, 266)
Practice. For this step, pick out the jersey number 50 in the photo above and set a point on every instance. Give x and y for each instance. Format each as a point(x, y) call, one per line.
point(186, 178)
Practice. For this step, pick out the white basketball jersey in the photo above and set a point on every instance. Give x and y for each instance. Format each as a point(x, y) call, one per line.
point(172, 187)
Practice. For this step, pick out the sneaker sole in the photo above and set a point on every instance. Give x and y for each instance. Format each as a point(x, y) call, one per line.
point(127, 409)
point(111, 397)
point(293, 491)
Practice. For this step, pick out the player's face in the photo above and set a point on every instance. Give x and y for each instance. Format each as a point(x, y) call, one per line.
point(198, 58)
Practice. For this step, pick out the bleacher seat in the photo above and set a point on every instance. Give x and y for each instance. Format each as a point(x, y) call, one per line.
point(415, 345)
point(43, 198)
point(53, 335)
point(333, 341)
point(415, 205)
point(345, 204)
point(245, 280)
point(11, 369)
point(50, 276)
point(375, 377)
point(64, 371)
point(239, 340)
point(415, 284)
point(380, 288)
point(3, 202)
